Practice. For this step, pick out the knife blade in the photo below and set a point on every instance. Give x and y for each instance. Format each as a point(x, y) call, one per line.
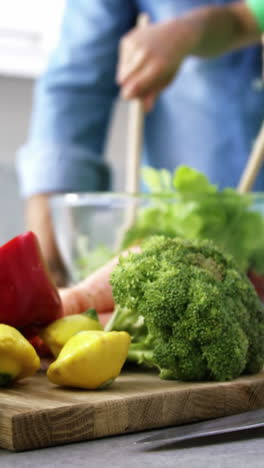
point(238, 422)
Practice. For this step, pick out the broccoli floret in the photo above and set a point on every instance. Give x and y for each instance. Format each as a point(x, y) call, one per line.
point(189, 309)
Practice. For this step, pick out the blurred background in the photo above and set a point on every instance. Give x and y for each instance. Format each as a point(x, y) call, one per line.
point(25, 43)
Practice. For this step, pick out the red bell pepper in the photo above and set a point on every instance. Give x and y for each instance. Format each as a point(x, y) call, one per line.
point(41, 348)
point(29, 299)
point(258, 282)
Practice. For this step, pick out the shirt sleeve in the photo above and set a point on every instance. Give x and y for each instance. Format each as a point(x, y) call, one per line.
point(257, 8)
point(73, 100)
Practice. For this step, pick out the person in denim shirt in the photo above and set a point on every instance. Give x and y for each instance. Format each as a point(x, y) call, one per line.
point(207, 118)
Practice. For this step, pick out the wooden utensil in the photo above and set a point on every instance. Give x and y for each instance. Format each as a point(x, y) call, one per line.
point(254, 164)
point(133, 154)
point(135, 133)
point(256, 157)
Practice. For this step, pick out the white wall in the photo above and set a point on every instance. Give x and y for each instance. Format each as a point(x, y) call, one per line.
point(29, 30)
point(15, 102)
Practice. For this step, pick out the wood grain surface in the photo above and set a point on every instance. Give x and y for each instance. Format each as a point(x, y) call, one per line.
point(35, 413)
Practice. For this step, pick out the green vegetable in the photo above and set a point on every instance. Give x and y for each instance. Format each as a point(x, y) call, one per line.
point(189, 310)
point(90, 259)
point(185, 204)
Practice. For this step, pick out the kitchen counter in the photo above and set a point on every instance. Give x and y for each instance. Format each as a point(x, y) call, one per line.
point(244, 449)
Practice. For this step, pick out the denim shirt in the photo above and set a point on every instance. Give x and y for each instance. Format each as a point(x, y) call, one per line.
point(207, 118)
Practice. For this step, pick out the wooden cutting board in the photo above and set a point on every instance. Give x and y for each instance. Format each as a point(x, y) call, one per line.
point(35, 413)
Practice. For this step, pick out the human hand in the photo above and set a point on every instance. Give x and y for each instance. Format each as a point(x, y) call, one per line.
point(150, 57)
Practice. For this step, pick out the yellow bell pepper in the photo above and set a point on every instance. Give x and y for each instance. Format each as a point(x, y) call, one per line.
point(18, 358)
point(60, 331)
point(90, 359)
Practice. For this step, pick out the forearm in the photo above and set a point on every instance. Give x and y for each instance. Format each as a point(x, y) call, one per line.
point(38, 219)
point(37, 215)
point(216, 30)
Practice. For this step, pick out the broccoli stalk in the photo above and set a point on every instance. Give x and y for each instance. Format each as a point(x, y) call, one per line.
point(141, 348)
point(189, 310)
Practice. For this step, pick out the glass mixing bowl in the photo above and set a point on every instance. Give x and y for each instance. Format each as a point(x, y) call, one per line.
point(90, 228)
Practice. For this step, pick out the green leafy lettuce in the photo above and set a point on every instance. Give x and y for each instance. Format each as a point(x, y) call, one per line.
point(186, 204)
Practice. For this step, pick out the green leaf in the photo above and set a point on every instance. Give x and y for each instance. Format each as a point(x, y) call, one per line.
point(157, 181)
point(190, 181)
point(188, 205)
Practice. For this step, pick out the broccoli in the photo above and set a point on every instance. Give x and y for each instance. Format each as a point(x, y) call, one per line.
point(190, 311)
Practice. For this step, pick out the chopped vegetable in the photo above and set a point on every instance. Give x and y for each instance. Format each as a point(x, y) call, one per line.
point(189, 309)
point(90, 359)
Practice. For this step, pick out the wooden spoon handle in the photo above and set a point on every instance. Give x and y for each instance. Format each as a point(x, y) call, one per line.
point(135, 134)
point(254, 164)
point(256, 157)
